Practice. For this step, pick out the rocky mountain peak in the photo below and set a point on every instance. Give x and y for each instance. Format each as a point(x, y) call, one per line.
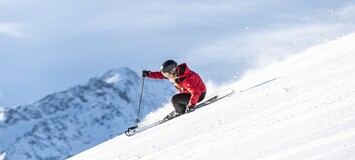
point(69, 121)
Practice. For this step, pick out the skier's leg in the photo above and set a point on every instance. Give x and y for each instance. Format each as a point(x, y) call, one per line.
point(202, 96)
point(180, 101)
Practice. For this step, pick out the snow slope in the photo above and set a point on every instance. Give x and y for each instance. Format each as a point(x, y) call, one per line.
point(304, 110)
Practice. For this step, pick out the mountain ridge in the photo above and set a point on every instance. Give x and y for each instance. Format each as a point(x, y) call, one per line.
point(69, 121)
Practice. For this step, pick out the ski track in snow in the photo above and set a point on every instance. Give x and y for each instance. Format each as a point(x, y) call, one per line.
point(307, 111)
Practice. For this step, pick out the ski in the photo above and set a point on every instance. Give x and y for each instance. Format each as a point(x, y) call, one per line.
point(140, 128)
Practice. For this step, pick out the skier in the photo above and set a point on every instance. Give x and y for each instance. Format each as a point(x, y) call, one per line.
point(190, 85)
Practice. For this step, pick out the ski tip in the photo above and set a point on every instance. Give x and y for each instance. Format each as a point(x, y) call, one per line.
point(133, 127)
point(130, 131)
point(128, 134)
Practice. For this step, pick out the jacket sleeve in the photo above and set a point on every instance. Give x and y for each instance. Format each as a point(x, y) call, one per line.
point(156, 75)
point(191, 86)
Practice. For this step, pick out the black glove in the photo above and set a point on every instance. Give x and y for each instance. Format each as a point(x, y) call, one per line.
point(189, 108)
point(145, 73)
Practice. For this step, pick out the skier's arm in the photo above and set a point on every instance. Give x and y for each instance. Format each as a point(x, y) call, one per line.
point(195, 92)
point(156, 75)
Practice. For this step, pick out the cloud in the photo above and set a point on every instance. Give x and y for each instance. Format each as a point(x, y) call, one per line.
point(12, 30)
point(346, 13)
point(159, 14)
point(265, 46)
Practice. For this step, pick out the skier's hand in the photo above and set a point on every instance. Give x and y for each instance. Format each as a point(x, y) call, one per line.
point(189, 108)
point(145, 73)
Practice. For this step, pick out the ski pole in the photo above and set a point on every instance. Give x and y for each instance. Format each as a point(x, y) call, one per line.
point(140, 101)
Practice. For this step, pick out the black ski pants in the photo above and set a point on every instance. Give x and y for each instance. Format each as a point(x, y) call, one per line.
point(181, 100)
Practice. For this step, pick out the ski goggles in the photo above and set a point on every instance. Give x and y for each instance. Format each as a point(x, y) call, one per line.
point(168, 73)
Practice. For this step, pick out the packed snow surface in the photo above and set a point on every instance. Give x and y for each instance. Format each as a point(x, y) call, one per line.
point(301, 108)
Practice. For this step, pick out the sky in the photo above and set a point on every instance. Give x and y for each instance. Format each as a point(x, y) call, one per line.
point(48, 46)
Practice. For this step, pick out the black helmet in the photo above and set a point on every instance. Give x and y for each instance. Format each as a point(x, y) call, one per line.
point(168, 65)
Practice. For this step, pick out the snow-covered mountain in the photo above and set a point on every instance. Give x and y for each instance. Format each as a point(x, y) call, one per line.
point(68, 122)
point(301, 108)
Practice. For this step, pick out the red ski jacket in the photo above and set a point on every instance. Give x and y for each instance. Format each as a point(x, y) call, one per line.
point(187, 81)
